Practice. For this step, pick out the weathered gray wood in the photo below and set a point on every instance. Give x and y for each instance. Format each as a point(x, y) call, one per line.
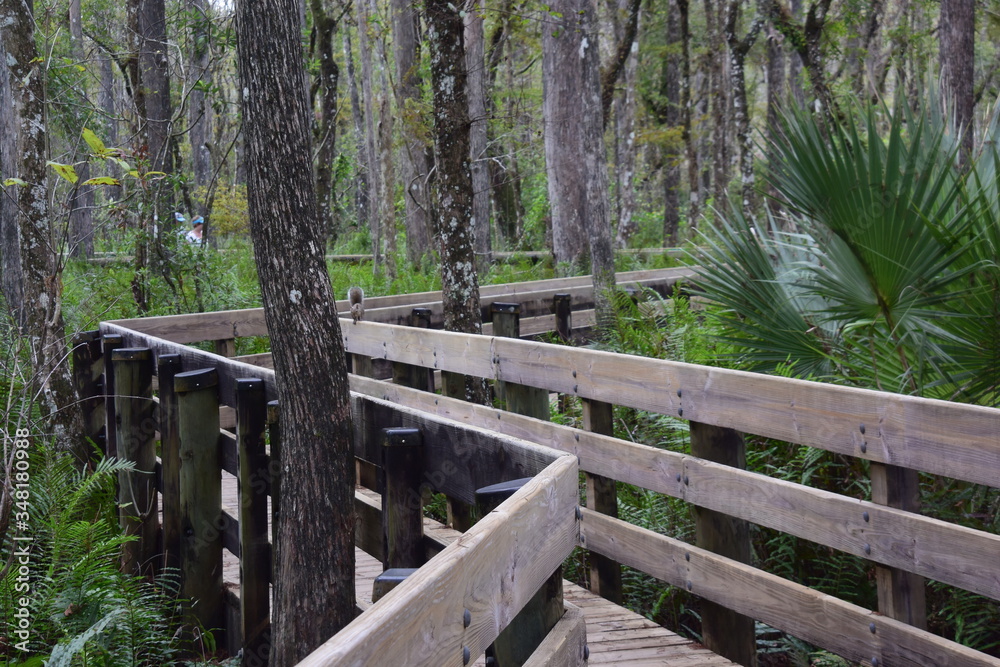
point(566, 643)
point(901, 594)
point(535, 297)
point(515, 643)
point(519, 398)
point(88, 365)
point(135, 435)
point(602, 496)
point(402, 507)
point(225, 347)
point(110, 343)
point(389, 580)
point(456, 461)
point(724, 631)
point(846, 629)
point(255, 551)
point(167, 366)
point(882, 534)
point(476, 573)
point(201, 495)
point(950, 439)
point(410, 375)
point(562, 307)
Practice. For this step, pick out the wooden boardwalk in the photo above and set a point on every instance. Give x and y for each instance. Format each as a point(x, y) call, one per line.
point(615, 635)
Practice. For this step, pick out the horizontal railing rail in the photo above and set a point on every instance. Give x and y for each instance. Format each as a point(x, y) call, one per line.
point(893, 431)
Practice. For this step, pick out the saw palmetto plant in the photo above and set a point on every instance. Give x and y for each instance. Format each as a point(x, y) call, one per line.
point(882, 271)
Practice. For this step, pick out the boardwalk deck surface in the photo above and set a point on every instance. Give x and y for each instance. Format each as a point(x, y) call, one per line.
point(615, 635)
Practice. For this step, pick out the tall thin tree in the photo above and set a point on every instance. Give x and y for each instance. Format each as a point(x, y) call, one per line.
point(314, 588)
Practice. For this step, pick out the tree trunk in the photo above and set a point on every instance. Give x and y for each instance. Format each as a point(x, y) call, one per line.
point(738, 49)
point(375, 202)
point(199, 113)
point(957, 30)
point(453, 182)
point(81, 219)
point(11, 273)
point(673, 113)
point(362, 188)
point(386, 160)
point(574, 147)
point(776, 98)
point(39, 250)
point(326, 82)
point(687, 104)
point(624, 109)
point(314, 593)
point(415, 160)
point(504, 176)
point(478, 160)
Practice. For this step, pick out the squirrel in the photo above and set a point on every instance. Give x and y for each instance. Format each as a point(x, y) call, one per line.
point(356, 297)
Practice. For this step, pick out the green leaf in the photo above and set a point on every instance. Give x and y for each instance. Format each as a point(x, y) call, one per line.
point(14, 181)
point(65, 170)
point(123, 164)
point(102, 180)
point(94, 142)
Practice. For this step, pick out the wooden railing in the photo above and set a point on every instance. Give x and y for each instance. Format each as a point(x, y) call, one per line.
point(897, 435)
point(198, 393)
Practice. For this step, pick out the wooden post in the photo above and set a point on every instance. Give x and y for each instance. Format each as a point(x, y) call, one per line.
point(167, 367)
point(136, 434)
point(388, 580)
point(561, 306)
point(201, 495)
point(602, 496)
point(402, 506)
point(725, 632)
point(110, 343)
point(410, 375)
point(515, 643)
point(901, 594)
point(225, 347)
point(275, 470)
point(522, 399)
point(255, 557)
point(88, 365)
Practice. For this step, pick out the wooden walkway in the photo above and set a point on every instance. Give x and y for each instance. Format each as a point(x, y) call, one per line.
point(615, 635)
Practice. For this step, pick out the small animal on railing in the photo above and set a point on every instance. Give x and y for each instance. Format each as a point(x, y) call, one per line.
point(356, 297)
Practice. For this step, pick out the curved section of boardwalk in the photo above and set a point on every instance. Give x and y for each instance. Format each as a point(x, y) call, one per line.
point(615, 635)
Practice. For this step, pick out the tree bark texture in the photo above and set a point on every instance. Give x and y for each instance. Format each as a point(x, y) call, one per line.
point(372, 159)
point(738, 49)
point(38, 243)
point(327, 79)
point(690, 143)
point(199, 113)
point(362, 188)
point(957, 29)
point(624, 110)
point(314, 589)
point(453, 181)
point(11, 273)
point(386, 161)
point(81, 204)
point(671, 112)
point(574, 146)
point(475, 64)
point(416, 159)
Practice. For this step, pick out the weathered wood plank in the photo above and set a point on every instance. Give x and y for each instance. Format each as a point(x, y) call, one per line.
point(250, 322)
point(846, 629)
point(885, 535)
point(135, 434)
point(565, 644)
point(950, 439)
point(456, 461)
point(200, 495)
point(527, 535)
